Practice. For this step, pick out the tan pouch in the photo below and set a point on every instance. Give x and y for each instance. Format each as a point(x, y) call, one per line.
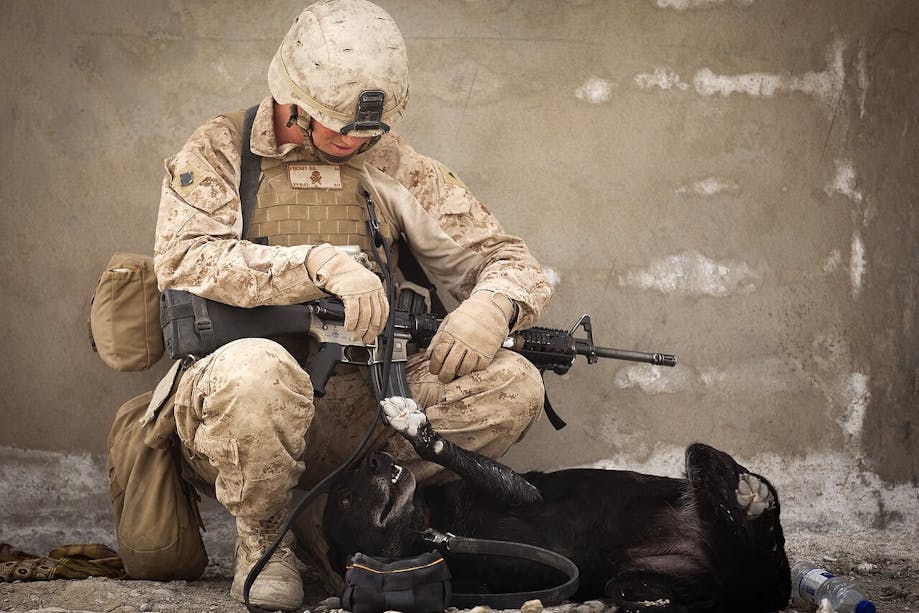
point(156, 511)
point(124, 318)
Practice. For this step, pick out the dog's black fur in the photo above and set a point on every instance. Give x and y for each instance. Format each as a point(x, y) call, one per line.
point(688, 545)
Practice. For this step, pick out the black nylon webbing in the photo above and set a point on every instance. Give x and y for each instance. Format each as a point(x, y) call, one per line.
point(249, 172)
point(514, 600)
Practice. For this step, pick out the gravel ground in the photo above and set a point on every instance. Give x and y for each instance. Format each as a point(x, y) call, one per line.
point(884, 563)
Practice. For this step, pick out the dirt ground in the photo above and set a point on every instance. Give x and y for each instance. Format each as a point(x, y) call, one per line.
point(884, 563)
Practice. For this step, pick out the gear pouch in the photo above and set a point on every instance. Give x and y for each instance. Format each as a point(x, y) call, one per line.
point(411, 585)
point(124, 314)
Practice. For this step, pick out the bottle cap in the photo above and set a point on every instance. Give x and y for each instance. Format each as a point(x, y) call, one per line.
point(864, 606)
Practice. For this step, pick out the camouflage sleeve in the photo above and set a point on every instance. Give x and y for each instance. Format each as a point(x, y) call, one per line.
point(453, 235)
point(198, 246)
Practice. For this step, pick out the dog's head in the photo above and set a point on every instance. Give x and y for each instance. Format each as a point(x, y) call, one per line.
point(371, 509)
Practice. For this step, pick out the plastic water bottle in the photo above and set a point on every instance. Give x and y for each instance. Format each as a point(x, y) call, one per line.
point(810, 584)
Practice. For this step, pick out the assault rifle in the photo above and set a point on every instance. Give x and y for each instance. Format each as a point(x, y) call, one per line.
point(195, 326)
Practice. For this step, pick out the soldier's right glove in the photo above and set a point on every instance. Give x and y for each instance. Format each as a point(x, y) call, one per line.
point(361, 291)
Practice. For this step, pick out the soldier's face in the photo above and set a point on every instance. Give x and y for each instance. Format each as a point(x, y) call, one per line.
point(332, 142)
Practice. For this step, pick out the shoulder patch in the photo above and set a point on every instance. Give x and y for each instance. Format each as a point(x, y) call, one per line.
point(186, 179)
point(450, 177)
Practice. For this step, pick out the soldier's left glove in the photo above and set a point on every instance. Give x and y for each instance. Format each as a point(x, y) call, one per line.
point(469, 337)
point(361, 291)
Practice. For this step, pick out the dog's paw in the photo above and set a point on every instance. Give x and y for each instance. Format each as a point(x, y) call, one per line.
point(403, 415)
point(753, 495)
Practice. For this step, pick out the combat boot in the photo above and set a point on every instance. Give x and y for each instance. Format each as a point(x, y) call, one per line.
point(279, 585)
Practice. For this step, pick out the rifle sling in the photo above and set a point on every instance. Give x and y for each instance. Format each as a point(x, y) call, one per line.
point(250, 172)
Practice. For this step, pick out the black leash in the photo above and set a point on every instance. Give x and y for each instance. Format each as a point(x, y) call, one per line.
point(508, 600)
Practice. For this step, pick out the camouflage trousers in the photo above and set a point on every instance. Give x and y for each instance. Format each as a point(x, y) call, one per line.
point(250, 427)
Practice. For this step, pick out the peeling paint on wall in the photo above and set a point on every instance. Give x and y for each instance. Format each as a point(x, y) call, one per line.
point(692, 273)
point(595, 90)
point(857, 396)
point(825, 85)
point(857, 264)
point(863, 80)
point(653, 380)
point(682, 5)
point(662, 78)
point(710, 186)
point(844, 181)
point(765, 375)
point(552, 276)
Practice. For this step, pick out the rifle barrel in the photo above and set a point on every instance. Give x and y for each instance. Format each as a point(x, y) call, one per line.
point(658, 359)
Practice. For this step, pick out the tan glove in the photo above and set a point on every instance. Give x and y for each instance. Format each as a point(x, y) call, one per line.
point(469, 337)
point(361, 291)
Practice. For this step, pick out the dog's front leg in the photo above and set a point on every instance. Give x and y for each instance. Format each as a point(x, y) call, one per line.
point(483, 473)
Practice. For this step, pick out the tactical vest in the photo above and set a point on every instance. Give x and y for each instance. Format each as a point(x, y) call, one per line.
point(304, 202)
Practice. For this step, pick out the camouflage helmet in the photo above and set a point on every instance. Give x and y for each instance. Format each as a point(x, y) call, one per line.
point(339, 53)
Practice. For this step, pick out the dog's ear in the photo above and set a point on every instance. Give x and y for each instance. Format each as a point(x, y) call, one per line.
point(335, 525)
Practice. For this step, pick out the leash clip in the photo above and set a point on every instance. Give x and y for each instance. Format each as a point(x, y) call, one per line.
point(438, 538)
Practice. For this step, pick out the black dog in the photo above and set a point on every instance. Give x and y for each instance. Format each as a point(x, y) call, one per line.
point(711, 541)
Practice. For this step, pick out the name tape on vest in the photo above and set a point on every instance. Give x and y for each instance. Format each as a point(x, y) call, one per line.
point(314, 176)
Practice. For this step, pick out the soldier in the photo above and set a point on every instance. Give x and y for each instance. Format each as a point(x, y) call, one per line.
point(249, 425)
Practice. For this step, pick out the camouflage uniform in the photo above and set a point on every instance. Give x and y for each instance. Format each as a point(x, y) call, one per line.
point(246, 414)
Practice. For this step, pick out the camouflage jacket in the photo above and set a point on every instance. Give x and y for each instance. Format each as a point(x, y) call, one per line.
point(455, 238)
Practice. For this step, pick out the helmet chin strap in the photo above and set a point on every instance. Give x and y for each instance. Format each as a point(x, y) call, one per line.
point(308, 144)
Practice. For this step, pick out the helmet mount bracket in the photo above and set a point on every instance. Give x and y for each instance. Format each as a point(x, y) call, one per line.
point(369, 113)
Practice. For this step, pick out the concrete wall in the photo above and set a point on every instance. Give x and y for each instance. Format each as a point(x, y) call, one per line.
point(728, 180)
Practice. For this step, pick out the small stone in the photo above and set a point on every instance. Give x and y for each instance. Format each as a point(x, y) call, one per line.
point(595, 605)
point(532, 606)
point(480, 609)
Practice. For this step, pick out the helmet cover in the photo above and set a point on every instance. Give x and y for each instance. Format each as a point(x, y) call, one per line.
point(335, 51)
